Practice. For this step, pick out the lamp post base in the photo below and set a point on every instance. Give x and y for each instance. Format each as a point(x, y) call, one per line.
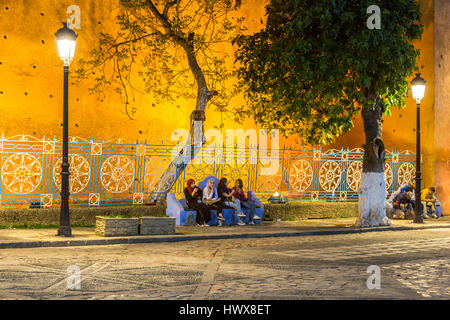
point(418, 214)
point(418, 220)
point(64, 231)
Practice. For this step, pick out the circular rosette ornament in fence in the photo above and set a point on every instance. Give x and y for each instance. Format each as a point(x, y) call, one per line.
point(330, 175)
point(354, 173)
point(198, 172)
point(301, 175)
point(117, 174)
point(80, 173)
point(234, 172)
point(21, 173)
point(406, 174)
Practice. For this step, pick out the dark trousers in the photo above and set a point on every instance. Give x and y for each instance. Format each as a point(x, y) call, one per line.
point(219, 206)
point(407, 206)
point(203, 213)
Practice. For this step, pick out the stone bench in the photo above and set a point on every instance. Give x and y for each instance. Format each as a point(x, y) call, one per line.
point(179, 210)
point(156, 225)
point(113, 227)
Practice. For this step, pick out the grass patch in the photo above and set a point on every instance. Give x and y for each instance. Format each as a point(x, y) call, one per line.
point(118, 216)
point(34, 226)
point(44, 226)
point(82, 225)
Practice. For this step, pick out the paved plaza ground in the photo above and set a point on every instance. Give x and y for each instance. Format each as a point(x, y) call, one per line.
point(414, 265)
point(82, 236)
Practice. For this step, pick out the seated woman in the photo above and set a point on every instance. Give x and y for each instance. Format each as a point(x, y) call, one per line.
point(239, 194)
point(227, 199)
point(390, 202)
point(402, 206)
point(193, 196)
point(212, 200)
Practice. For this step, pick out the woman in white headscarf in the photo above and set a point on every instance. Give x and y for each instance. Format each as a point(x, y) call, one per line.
point(212, 200)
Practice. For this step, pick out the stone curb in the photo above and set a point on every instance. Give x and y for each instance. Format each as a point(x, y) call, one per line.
point(162, 239)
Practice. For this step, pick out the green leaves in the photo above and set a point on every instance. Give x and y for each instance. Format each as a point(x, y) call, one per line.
point(316, 64)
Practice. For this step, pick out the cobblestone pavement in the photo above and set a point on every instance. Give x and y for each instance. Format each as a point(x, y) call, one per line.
point(414, 265)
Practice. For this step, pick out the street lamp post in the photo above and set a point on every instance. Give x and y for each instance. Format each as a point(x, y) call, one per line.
point(66, 40)
point(418, 90)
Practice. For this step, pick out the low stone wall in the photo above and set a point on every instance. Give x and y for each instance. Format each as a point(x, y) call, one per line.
point(111, 227)
point(85, 216)
point(156, 225)
point(79, 216)
point(310, 210)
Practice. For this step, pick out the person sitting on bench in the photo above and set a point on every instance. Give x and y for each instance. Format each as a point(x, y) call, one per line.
point(212, 200)
point(227, 199)
point(193, 196)
point(239, 194)
point(428, 202)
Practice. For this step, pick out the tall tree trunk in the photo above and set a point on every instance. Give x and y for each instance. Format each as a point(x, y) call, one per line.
point(179, 164)
point(372, 188)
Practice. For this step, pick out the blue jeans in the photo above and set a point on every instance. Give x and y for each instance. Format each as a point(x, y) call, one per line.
point(251, 207)
point(236, 205)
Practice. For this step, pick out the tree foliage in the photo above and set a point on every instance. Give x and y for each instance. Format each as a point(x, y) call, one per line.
point(317, 64)
point(166, 48)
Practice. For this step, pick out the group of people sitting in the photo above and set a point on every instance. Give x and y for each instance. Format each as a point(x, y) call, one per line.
point(402, 203)
point(210, 198)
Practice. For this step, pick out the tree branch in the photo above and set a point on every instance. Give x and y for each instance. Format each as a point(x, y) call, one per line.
point(203, 94)
point(168, 6)
point(163, 19)
point(135, 40)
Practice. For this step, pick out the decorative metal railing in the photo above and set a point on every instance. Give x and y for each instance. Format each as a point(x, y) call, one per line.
point(119, 173)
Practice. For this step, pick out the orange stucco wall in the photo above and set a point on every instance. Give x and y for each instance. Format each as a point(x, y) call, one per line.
point(442, 103)
point(31, 77)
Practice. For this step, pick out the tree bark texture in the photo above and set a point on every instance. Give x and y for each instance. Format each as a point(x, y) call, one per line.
point(372, 188)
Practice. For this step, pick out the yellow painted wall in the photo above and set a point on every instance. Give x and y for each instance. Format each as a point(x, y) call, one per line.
point(31, 77)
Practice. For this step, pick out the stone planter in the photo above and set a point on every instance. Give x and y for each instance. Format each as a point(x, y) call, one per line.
point(157, 225)
point(112, 227)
